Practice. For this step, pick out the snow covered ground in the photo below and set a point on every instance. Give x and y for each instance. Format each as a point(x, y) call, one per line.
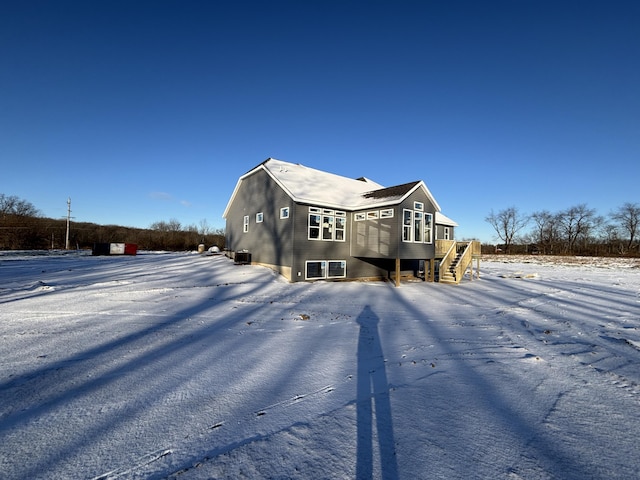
point(185, 366)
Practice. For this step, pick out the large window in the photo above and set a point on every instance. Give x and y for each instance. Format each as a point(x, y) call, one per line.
point(417, 226)
point(407, 220)
point(418, 222)
point(428, 228)
point(325, 224)
point(317, 269)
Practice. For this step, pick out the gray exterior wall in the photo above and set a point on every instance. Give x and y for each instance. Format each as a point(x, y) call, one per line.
point(440, 232)
point(375, 238)
point(305, 249)
point(382, 237)
point(271, 241)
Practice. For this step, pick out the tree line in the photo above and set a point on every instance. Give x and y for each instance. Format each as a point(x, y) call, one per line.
point(577, 230)
point(23, 227)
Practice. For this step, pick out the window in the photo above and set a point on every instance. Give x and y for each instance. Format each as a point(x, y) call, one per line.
point(407, 220)
point(327, 227)
point(245, 224)
point(372, 215)
point(314, 226)
point(337, 269)
point(359, 217)
point(284, 212)
point(327, 224)
point(418, 206)
point(388, 213)
point(428, 228)
point(317, 269)
point(340, 225)
point(418, 228)
point(259, 217)
point(447, 233)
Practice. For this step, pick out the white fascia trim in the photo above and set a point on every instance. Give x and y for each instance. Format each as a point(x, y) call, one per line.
point(235, 190)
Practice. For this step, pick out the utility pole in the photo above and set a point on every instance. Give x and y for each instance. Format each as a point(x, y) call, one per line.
point(68, 221)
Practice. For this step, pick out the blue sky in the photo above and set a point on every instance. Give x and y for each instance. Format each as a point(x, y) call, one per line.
point(142, 111)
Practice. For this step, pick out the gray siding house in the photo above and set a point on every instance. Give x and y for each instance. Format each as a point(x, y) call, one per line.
point(308, 224)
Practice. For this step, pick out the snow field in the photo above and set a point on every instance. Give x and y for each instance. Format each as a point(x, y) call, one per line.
point(187, 366)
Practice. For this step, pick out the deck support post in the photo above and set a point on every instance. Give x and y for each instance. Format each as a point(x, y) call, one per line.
point(397, 272)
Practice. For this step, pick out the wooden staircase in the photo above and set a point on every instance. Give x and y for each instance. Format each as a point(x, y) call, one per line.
point(455, 260)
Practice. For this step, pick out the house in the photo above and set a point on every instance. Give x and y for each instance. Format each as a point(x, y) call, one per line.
point(308, 224)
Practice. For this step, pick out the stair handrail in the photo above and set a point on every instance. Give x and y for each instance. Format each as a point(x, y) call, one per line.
point(463, 262)
point(445, 263)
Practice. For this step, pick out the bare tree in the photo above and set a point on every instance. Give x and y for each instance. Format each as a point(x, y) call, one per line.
point(12, 205)
point(546, 230)
point(576, 222)
point(628, 216)
point(204, 227)
point(172, 225)
point(507, 223)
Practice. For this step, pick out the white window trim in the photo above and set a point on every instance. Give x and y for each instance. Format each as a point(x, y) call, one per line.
point(359, 217)
point(332, 216)
point(344, 275)
point(306, 269)
point(259, 217)
point(309, 226)
point(325, 268)
point(387, 213)
point(284, 213)
point(418, 226)
point(431, 227)
point(409, 226)
point(418, 206)
point(245, 224)
point(336, 229)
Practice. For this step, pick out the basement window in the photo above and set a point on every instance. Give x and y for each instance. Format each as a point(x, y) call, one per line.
point(319, 269)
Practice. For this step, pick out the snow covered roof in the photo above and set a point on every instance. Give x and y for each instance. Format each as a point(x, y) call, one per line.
point(308, 185)
point(444, 220)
